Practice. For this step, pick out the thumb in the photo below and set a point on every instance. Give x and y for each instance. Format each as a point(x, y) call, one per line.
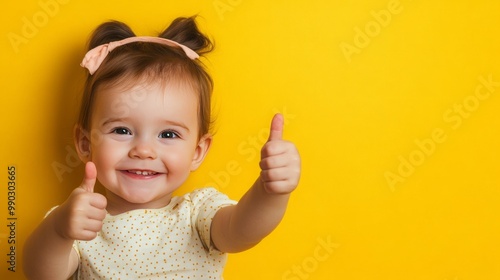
point(276, 128)
point(89, 177)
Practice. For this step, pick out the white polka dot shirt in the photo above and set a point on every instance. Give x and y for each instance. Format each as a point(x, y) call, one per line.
point(168, 243)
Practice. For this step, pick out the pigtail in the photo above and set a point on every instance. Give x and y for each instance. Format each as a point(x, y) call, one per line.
point(185, 31)
point(108, 32)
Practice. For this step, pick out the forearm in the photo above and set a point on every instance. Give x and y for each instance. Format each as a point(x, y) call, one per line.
point(257, 214)
point(47, 255)
point(261, 209)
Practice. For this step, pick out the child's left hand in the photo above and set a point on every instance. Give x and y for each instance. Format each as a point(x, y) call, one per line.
point(280, 161)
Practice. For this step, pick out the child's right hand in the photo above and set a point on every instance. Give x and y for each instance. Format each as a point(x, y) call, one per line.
point(80, 216)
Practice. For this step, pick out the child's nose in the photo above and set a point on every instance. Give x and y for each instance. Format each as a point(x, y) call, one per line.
point(143, 150)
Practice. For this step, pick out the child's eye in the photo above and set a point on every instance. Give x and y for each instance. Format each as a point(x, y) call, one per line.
point(168, 134)
point(121, 131)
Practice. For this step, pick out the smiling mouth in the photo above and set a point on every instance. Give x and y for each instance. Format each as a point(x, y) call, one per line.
point(142, 172)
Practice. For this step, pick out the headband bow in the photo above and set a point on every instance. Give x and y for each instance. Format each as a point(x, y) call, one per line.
point(95, 56)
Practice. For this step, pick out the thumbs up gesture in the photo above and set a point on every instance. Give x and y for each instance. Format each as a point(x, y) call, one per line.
point(81, 215)
point(280, 161)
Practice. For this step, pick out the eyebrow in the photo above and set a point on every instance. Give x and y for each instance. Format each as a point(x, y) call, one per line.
point(168, 122)
point(179, 124)
point(112, 120)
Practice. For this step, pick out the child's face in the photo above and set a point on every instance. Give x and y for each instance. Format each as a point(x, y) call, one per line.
point(144, 143)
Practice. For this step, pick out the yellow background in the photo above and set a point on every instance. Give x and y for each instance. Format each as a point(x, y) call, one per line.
point(403, 98)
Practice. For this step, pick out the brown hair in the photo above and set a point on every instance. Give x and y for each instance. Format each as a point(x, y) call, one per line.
point(153, 62)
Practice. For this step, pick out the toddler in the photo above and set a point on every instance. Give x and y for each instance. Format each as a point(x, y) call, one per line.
point(144, 125)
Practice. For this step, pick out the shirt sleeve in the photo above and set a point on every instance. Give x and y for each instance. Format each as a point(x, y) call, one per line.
point(206, 203)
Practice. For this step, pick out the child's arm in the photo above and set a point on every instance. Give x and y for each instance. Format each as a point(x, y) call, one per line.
point(240, 227)
point(48, 252)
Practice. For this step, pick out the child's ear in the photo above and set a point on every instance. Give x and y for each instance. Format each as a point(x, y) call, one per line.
point(82, 143)
point(201, 151)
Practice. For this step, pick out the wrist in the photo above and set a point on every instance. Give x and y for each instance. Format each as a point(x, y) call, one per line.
point(58, 225)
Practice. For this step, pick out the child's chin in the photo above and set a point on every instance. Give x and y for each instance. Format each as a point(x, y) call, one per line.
point(147, 201)
point(130, 197)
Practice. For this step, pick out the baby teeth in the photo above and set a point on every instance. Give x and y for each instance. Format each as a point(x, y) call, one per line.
point(144, 173)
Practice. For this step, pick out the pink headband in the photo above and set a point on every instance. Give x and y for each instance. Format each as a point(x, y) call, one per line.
point(95, 56)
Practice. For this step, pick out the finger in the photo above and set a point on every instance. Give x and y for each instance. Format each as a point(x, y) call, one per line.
point(273, 162)
point(288, 173)
point(275, 174)
point(93, 226)
point(276, 148)
point(89, 177)
point(99, 201)
point(96, 214)
point(281, 180)
point(87, 235)
point(276, 128)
